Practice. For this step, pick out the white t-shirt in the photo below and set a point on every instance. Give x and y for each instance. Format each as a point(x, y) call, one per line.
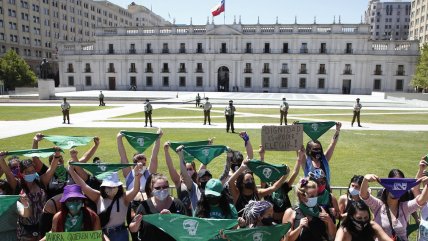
point(423, 227)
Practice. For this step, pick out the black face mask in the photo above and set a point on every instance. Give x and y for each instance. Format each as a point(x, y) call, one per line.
point(213, 200)
point(267, 221)
point(249, 185)
point(230, 104)
point(316, 153)
point(359, 225)
point(203, 184)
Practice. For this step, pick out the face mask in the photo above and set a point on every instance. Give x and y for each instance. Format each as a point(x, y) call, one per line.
point(312, 202)
point(190, 172)
point(15, 171)
point(359, 225)
point(203, 184)
point(353, 191)
point(267, 221)
point(249, 185)
point(230, 104)
point(161, 194)
point(61, 172)
point(74, 207)
point(111, 191)
point(213, 200)
point(321, 188)
point(143, 169)
point(317, 154)
point(31, 177)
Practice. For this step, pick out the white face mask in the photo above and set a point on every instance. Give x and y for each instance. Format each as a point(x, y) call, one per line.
point(312, 202)
point(353, 191)
point(143, 170)
point(161, 194)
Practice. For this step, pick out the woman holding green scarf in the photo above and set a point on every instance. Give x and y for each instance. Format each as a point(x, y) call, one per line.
point(309, 221)
point(73, 215)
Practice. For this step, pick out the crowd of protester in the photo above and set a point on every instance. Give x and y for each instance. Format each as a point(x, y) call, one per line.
point(60, 197)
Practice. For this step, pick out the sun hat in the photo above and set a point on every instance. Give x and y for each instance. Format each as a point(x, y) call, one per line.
point(111, 180)
point(214, 187)
point(71, 191)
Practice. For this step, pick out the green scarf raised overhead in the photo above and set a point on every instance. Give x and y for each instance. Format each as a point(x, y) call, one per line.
point(267, 172)
point(187, 156)
point(101, 170)
point(205, 154)
point(7, 202)
point(185, 228)
point(140, 141)
point(68, 142)
point(307, 211)
point(316, 129)
point(34, 152)
point(263, 233)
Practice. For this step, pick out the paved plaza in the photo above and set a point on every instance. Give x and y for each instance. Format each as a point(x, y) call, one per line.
point(128, 102)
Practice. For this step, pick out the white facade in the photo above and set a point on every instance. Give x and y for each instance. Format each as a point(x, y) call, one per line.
point(419, 21)
point(315, 58)
point(389, 20)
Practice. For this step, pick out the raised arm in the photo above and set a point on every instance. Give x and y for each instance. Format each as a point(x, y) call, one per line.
point(88, 155)
point(9, 175)
point(248, 146)
point(122, 154)
point(268, 191)
point(47, 176)
point(92, 194)
point(175, 177)
point(130, 195)
point(300, 159)
point(153, 168)
point(234, 191)
point(38, 164)
point(423, 197)
point(364, 190)
point(73, 154)
point(422, 166)
point(226, 170)
point(186, 178)
point(329, 153)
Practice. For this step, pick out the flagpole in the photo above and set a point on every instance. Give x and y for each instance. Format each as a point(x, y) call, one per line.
point(224, 13)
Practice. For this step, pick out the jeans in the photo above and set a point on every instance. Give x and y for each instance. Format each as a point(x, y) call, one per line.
point(119, 235)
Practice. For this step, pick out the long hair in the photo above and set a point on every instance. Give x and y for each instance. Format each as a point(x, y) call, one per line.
point(87, 220)
point(5, 186)
point(195, 173)
point(204, 209)
point(309, 147)
point(367, 233)
point(355, 179)
point(240, 183)
point(394, 173)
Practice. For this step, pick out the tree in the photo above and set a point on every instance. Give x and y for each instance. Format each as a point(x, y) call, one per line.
point(420, 79)
point(15, 72)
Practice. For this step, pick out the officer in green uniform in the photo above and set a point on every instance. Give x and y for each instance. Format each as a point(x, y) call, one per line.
point(229, 113)
point(148, 112)
point(207, 111)
point(283, 109)
point(198, 100)
point(357, 109)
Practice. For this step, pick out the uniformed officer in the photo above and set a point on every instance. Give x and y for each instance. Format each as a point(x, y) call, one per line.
point(198, 100)
point(148, 112)
point(101, 98)
point(229, 113)
point(357, 109)
point(283, 109)
point(65, 107)
point(207, 111)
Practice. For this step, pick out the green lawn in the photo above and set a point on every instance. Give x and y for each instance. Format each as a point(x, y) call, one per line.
point(22, 113)
point(416, 119)
point(164, 112)
point(358, 152)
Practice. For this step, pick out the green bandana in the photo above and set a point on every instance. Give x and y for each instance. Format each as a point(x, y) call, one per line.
point(73, 223)
point(313, 212)
point(205, 154)
point(324, 198)
point(267, 172)
point(7, 202)
point(68, 142)
point(316, 129)
point(140, 141)
point(34, 152)
point(61, 173)
point(187, 157)
point(185, 228)
point(263, 233)
point(100, 170)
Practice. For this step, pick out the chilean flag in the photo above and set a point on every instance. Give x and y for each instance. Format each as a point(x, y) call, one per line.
point(219, 8)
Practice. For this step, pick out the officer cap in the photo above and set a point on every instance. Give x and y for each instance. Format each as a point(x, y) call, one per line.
point(230, 101)
point(358, 98)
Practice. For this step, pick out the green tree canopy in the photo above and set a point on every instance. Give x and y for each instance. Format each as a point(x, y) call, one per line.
point(15, 72)
point(420, 79)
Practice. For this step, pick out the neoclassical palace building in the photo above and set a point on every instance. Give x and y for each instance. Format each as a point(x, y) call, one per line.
point(298, 58)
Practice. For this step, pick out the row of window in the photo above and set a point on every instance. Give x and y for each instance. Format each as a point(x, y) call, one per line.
point(248, 69)
point(223, 48)
point(377, 83)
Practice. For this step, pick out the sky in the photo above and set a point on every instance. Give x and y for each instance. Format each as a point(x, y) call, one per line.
point(350, 11)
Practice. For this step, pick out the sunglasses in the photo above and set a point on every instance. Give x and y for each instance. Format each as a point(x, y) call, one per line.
point(161, 188)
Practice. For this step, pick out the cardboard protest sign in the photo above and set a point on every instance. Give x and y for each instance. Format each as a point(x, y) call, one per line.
point(75, 236)
point(282, 138)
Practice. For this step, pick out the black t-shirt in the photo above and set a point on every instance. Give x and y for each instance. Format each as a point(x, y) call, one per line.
point(316, 230)
point(149, 232)
point(280, 199)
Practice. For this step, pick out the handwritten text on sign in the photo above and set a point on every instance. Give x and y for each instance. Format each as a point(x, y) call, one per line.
point(282, 138)
point(75, 236)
